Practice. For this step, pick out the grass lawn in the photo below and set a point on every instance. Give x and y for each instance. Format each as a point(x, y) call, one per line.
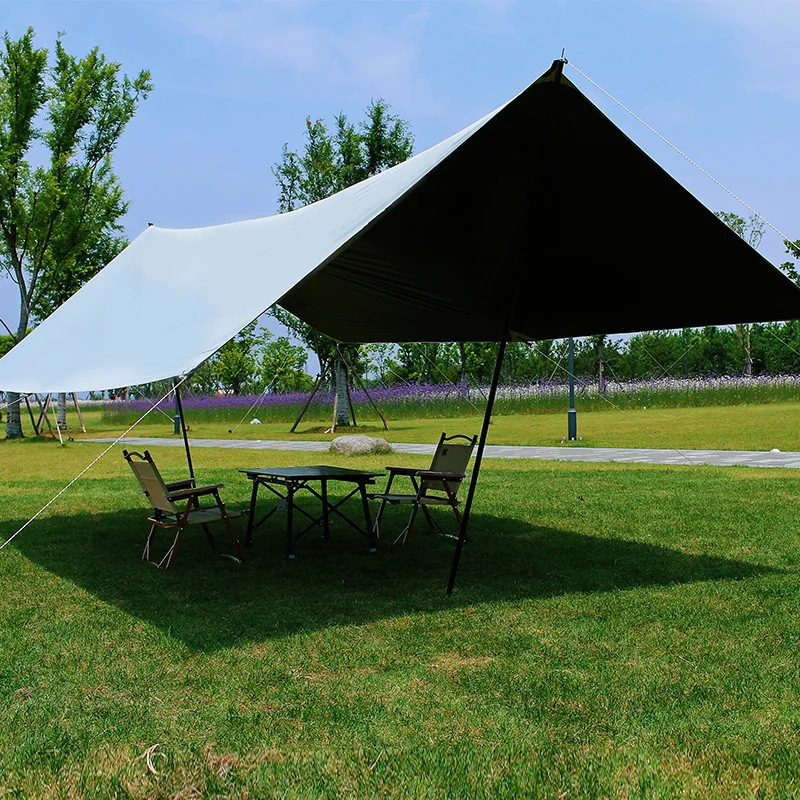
point(746, 427)
point(617, 631)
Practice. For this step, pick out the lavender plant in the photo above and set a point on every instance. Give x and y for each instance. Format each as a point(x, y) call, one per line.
point(450, 400)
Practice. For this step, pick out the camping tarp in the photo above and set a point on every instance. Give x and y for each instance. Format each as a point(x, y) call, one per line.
point(544, 205)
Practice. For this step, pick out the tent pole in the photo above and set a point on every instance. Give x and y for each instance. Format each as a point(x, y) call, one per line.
point(179, 404)
point(317, 383)
point(30, 411)
point(369, 397)
point(78, 410)
point(487, 416)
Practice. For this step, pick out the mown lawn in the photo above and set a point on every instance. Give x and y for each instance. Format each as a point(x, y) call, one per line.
point(617, 631)
point(745, 427)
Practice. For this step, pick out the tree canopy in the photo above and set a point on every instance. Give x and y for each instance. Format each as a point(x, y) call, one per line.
point(60, 201)
point(329, 161)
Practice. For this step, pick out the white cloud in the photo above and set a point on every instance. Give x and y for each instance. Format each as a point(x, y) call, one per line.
point(366, 54)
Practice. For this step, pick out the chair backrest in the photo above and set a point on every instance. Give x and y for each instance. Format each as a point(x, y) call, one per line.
point(150, 480)
point(451, 457)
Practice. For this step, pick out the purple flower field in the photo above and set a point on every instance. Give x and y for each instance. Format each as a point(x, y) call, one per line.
point(447, 400)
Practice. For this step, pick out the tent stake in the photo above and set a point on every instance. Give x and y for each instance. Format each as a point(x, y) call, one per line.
point(179, 404)
point(487, 416)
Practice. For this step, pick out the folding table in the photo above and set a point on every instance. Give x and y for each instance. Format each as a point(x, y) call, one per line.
point(286, 482)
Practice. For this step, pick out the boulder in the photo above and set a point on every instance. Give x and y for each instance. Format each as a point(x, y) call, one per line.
point(358, 444)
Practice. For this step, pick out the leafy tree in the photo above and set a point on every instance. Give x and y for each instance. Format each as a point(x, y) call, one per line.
point(331, 161)
point(235, 366)
point(422, 362)
point(282, 366)
point(752, 231)
point(60, 202)
point(791, 267)
point(376, 357)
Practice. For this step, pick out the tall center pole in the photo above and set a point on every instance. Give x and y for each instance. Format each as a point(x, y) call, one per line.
point(514, 286)
point(487, 416)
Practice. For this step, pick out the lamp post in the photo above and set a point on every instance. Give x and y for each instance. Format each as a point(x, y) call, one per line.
point(572, 414)
point(176, 421)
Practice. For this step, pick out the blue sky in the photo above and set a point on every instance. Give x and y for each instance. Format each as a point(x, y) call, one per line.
point(235, 80)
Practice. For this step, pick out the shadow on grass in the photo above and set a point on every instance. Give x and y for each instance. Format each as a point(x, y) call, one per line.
point(210, 603)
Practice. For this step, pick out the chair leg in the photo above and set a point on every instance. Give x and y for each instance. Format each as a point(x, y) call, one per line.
point(234, 539)
point(458, 520)
point(376, 527)
point(431, 522)
point(404, 533)
point(210, 538)
point(170, 554)
point(148, 543)
point(229, 527)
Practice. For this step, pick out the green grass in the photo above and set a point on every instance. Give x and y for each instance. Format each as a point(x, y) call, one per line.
point(746, 427)
point(617, 631)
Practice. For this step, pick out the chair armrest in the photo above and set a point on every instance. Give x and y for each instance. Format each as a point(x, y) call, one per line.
point(197, 491)
point(174, 486)
point(427, 474)
point(403, 470)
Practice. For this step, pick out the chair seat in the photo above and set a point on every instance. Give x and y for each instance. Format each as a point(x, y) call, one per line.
point(412, 498)
point(435, 486)
point(166, 500)
point(199, 516)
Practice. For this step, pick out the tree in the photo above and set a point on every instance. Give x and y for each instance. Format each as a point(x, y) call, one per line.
point(60, 202)
point(791, 267)
point(328, 163)
point(235, 366)
point(752, 231)
point(282, 366)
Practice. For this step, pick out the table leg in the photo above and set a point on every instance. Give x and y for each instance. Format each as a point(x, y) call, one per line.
point(251, 516)
point(326, 533)
point(369, 529)
point(290, 521)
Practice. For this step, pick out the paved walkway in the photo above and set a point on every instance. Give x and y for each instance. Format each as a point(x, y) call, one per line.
point(721, 458)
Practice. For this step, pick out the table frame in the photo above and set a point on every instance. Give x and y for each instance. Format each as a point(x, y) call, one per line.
point(295, 479)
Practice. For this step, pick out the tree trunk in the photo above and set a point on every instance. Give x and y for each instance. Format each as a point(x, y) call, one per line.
point(13, 418)
point(342, 410)
point(462, 356)
point(748, 354)
point(601, 378)
point(61, 414)
point(743, 332)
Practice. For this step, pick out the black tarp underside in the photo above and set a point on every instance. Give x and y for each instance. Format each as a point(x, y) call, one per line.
point(552, 200)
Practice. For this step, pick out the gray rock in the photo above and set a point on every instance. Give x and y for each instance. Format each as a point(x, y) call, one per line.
point(358, 444)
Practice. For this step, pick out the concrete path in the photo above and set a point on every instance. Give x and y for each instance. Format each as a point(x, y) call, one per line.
point(721, 458)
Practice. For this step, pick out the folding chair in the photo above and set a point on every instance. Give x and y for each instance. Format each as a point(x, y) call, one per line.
point(436, 486)
point(168, 515)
